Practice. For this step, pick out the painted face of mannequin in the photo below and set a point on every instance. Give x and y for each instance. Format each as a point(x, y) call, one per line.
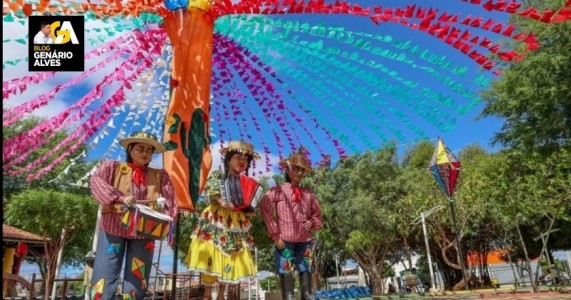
point(295, 174)
point(141, 154)
point(237, 164)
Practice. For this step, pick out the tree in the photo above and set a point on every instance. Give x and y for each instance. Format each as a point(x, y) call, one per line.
point(533, 96)
point(544, 184)
point(15, 184)
point(423, 194)
point(270, 284)
point(516, 192)
point(29, 202)
point(49, 213)
point(357, 199)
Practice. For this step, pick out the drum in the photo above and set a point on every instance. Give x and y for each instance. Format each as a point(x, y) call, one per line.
point(145, 222)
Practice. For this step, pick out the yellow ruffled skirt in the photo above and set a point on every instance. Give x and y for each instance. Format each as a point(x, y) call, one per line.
point(220, 247)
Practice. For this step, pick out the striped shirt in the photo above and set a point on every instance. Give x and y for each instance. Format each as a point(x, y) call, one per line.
point(103, 191)
point(284, 217)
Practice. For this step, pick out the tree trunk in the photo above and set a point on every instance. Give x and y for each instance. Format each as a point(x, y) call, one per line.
point(407, 250)
point(535, 282)
point(377, 287)
point(52, 261)
point(42, 267)
point(527, 261)
point(510, 259)
point(513, 270)
point(315, 273)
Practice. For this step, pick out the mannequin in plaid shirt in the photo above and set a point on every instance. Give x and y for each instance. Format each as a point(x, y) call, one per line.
point(292, 214)
point(116, 186)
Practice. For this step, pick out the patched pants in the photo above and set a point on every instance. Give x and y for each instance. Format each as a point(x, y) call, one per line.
point(296, 255)
point(111, 250)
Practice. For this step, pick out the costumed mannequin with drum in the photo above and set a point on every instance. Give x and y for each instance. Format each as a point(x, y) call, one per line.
point(138, 207)
point(292, 214)
point(221, 243)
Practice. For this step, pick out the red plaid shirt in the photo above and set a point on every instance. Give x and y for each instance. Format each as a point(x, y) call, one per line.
point(284, 217)
point(103, 191)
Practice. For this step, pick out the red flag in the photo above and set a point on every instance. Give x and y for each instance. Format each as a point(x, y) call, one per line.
point(409, 11)
point(488, 24)
point(476, 22)
point(497, 28)
point(512, 7)
point(547, 16)
point(489, 6)
point(509, 30)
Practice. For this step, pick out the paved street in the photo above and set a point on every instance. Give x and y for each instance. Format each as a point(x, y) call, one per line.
point(484, 295)
point(489, 296)
point(511, 297)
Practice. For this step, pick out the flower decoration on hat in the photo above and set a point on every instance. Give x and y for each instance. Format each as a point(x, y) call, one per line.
point(298, 158)
point(240, 147)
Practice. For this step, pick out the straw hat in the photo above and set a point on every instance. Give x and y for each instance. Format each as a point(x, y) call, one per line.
point(240, 147)
point(297, 159)
point(145, 138)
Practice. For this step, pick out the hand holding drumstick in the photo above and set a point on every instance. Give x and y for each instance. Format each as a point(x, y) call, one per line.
point(129, 200)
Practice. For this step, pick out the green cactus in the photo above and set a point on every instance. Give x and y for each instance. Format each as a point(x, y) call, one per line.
point(192, 143)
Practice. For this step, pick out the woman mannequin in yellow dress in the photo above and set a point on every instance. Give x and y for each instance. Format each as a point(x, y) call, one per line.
point(221, 243)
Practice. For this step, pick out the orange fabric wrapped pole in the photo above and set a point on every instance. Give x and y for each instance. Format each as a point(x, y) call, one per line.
point(186, 135)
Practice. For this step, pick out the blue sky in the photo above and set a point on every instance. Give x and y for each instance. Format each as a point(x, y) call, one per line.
point(326, 110)
point(467, 130)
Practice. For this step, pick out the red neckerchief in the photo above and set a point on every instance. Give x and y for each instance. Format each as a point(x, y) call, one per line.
point(296, 194)
point(138, 174)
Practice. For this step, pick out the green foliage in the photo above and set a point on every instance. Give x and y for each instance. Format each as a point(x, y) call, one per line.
point(15, 184)
point(46, 212)
point(270, 284)
point(418, 156)
point(358, 201)
point(533, 96)
point(51, 203)
point(369, 202)
point(259, 232)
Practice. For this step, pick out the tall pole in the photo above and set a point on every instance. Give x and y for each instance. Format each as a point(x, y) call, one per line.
point(87, 279)
point(58, 263)
point(544, 236)
point(337, 269)
point(157, 270)
point(175, 258)
point(432, 286)
point(257, 278)
point(250, 289)
point(544, 242)
point(456, 232)
point(422, 219)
